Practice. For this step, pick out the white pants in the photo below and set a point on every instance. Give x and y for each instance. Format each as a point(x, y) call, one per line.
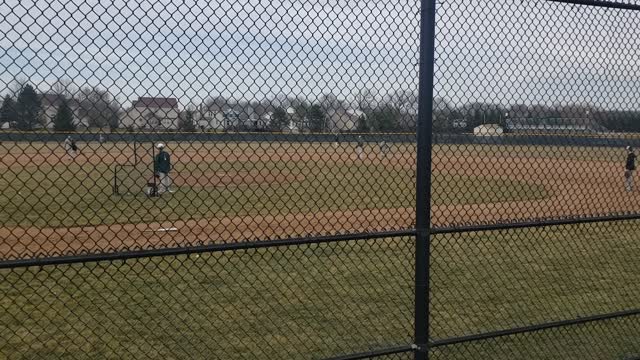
point(70, 151)
point(359, 152)
point(165, 183)
point(628, 180)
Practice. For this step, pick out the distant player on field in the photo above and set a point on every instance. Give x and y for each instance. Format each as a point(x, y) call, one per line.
point(70, 147)
point(629, 168)
point(384, 147)
point(162, 167)
point(360, 147)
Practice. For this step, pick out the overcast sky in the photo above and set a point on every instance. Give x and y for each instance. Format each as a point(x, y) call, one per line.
point(498, 51)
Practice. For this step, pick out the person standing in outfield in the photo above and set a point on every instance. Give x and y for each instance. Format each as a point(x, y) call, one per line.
point(360, 147)
point(162, 167)
point(629, 168)
point(70, 147)
point(384, 147)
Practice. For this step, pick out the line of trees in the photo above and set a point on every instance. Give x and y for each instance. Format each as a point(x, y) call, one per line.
point(374, 112)
point(93, 106)
point(24, 112)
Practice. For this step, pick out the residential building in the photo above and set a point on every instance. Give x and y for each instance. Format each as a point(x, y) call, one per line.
point(231, 119)
point(209, 118)
point(344, 120)
point(260, 118)
point(152, 113)
point(51, 103)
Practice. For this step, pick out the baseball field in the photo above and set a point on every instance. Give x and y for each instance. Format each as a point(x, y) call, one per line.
point(311, 300)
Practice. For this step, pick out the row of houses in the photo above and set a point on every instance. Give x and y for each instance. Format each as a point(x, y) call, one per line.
point(160, 113)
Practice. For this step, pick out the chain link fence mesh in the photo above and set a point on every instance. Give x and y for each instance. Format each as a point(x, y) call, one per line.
point(534, 120)
point(237, 179)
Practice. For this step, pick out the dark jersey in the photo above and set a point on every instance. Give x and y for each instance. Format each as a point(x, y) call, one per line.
point(360, 143)
point(631, 162)
point(163, 162)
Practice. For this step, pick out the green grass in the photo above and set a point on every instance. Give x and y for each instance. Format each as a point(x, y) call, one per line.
point(314, 301)
point(74, 196)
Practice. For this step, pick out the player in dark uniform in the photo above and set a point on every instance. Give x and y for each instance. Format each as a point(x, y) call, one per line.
point(629, 168)
point(162, 167)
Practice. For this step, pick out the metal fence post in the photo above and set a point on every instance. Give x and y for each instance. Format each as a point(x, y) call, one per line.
point(135, 152)
point(423, 177)
point(116, 191)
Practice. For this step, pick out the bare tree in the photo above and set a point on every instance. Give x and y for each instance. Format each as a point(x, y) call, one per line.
point(64, 87)
point(405, 101)
point(365, 99)
point(17, 84)
point(330, 102)
point(98, 107)
point(216, 103)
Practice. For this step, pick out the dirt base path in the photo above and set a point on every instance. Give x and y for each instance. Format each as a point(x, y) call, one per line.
point(576, 188)
point(36, 242)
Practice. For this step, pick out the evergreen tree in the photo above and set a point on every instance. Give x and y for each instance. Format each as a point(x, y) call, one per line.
point(384, 119)
point(316, 118)
point(8, 113)
point(63, 121)
point(28, 108)
point(279, 119)
point(362, 125)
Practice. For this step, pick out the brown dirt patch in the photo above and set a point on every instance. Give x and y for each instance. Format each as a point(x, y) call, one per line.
point(578, 188)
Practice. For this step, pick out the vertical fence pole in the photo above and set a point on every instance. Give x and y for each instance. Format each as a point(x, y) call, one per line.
point(423, 177)
point(135, 151)
point(116, 191)
point(153, 166)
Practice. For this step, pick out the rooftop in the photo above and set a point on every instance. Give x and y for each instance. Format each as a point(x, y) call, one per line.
point(156, 102)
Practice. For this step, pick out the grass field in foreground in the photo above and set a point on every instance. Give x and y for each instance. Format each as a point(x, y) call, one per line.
point(314, 301)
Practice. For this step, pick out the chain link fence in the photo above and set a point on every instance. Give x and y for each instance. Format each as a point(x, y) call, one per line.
point(313, 179)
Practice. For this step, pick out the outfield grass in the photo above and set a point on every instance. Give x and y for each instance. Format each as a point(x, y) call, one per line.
point(73, 195)
point(314, 301)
